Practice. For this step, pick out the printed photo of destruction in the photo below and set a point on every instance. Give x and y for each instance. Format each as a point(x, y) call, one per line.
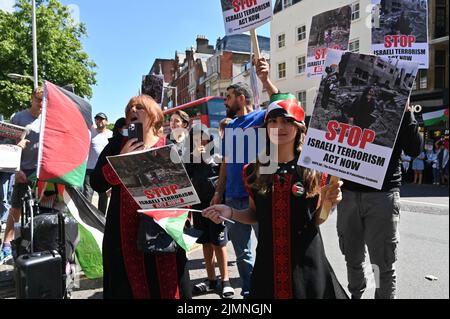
point(400, 17)
point(365, 91)
point(146, 170)
point(330, 29)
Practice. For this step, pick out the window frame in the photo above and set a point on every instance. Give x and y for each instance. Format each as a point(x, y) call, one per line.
point(279, 41)
point(298, 65)
point(279, 70)
point(356, 12)
point(297, 33)
point(353, 42)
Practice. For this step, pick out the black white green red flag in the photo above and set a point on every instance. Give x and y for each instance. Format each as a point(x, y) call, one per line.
point(64, 138)
point(173, 221)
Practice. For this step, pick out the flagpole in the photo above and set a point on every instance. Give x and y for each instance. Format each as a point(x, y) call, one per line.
point(35, 61)
point(185, 209)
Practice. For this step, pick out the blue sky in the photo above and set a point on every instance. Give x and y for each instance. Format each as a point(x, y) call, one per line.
point(124, 38)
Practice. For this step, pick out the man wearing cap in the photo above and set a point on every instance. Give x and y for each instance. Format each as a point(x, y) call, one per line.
point(99, 139)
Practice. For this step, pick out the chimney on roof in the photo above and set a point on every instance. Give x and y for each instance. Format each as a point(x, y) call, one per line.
point(203, 45)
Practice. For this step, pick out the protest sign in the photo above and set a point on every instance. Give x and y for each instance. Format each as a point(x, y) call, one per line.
point(399, 30)
point(12, 132)
point(357, 116)
point(154, 180)
point(244, 15)
point(153, 86)
point(10, 158)
point(329, 30)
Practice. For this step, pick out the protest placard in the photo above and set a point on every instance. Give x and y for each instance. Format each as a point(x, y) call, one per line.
point(357, 116)
point(154, 180)
point(329, 30)
point(153, 86)
point(10, 158)
point(399, 30)
point(12, 132)
point(244, 15)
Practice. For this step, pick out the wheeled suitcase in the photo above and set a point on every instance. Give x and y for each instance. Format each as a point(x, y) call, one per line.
point(38, 276)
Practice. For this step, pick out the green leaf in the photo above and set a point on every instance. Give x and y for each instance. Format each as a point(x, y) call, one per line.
point(61, 58)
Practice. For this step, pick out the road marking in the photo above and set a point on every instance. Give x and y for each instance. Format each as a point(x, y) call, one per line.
point(425, 203)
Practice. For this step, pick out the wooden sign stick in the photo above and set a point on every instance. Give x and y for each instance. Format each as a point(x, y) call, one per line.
point(255, 44)
point(327, 205)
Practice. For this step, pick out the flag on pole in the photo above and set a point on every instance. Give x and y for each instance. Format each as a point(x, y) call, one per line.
point(91, 227)
point(91, 224)
point(435, 118)
point(64, 138)
point(173, 222)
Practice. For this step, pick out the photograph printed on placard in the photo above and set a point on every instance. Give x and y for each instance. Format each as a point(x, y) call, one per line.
point(364, 91)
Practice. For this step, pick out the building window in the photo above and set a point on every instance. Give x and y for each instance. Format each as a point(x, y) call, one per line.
point(301, 33)
point(301, 97)
point(353, 46)
point(355, 11)
point(301, 65)
point(287, 3)
point(282, 70)
point(423, 79)
point(439, 69)
point(281, 41)
point(441, 19)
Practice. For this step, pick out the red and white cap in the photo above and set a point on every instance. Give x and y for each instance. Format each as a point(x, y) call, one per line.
point(290, 108)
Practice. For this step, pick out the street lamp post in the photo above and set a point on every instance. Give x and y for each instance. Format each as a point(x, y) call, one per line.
point(15, 76)
point(35, 61)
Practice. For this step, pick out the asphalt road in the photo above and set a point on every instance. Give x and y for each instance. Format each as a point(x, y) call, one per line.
point(423, 251)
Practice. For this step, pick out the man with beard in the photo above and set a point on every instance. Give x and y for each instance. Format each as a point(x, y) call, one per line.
point(240, 108)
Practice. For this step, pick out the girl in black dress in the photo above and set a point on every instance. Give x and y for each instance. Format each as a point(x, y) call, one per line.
point(290, 257)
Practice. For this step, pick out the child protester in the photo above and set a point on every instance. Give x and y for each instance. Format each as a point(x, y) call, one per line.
point(202, 170)
point(290, 257)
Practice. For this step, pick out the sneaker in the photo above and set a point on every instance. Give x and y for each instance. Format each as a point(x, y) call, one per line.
point(227, 290)
point(5, 255)
point(204, 287)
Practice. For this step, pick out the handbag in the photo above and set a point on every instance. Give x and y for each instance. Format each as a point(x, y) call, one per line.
point(152, 238)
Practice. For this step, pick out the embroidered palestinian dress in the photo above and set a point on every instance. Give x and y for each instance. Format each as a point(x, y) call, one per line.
point(290, 258)
point(128, 273)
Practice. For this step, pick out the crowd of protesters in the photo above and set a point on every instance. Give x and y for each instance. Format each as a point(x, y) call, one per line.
point(280, 208)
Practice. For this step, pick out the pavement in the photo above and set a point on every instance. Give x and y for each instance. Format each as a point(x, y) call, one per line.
point(423, 252)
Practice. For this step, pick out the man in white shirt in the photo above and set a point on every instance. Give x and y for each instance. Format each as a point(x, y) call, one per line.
point(99, 139)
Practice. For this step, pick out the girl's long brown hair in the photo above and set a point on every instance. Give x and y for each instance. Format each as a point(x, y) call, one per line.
point(263, 182)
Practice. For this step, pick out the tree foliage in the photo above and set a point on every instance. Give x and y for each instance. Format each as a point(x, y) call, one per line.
point(61, 59)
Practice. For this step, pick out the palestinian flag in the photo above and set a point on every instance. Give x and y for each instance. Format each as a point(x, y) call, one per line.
point(91, 227)
point(435, 118)
point(91, 224)
point(64, 138)
point(173, 222)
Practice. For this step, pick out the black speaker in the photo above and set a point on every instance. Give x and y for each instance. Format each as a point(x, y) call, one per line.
point(38, 276)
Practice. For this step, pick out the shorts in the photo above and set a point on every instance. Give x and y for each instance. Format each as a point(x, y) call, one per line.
point(215, 234)
point(18, 193)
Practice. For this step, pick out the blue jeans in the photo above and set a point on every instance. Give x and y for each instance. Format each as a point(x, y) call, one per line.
point(241, 238)
point(5, 196)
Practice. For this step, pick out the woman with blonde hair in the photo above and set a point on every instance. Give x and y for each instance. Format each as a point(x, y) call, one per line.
point(129, 273)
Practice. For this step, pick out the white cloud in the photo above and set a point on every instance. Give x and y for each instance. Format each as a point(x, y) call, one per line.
point(7, 5)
